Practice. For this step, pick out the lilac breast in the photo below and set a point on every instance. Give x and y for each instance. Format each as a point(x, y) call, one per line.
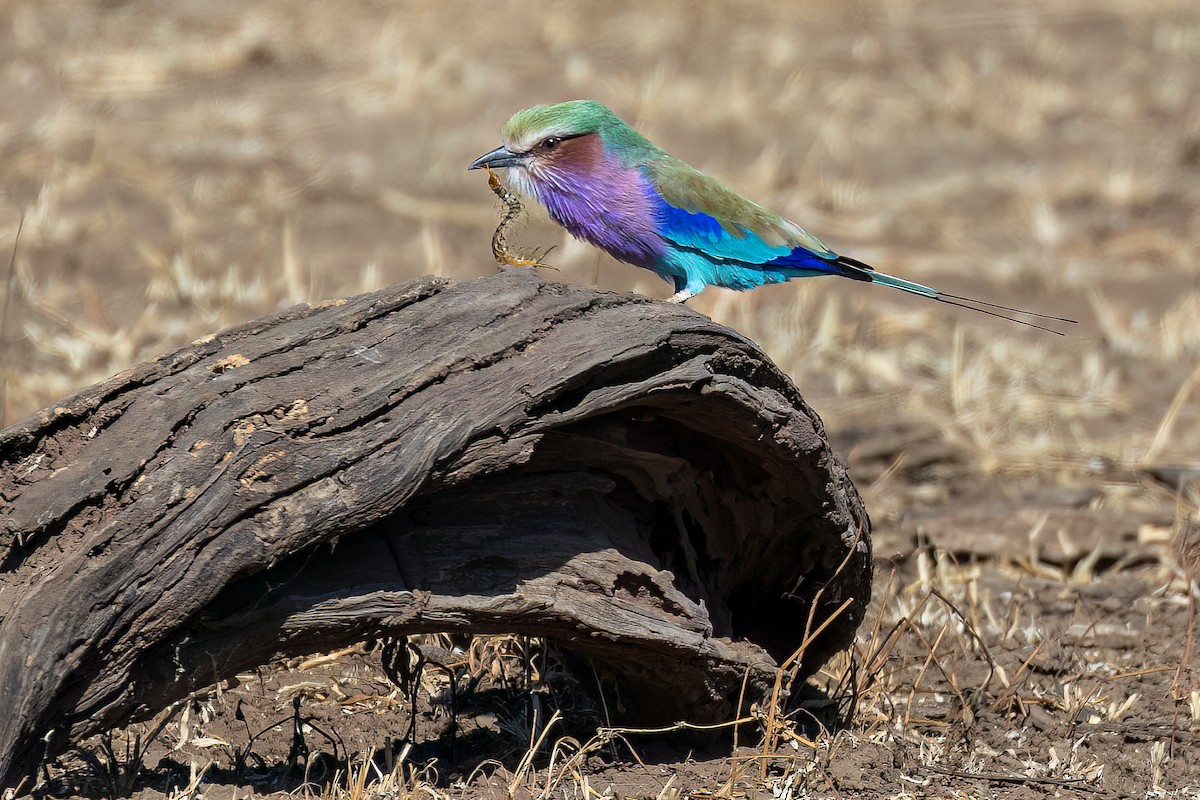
point(609, 207)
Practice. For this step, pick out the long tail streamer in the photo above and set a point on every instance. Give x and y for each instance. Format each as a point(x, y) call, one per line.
point(859, 271)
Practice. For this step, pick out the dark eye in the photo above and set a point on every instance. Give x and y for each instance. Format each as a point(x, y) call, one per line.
point(551, 143)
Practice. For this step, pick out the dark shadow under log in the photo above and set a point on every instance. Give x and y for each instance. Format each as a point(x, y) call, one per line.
point(503, 455)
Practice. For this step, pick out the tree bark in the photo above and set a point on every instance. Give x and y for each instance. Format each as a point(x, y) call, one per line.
point(507, 454)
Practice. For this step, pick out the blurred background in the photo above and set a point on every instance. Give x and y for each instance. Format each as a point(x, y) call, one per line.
point(184, 166)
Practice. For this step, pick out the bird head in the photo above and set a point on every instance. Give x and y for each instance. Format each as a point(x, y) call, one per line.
point(551, 144)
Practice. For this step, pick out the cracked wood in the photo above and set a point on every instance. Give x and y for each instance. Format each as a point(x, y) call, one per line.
point(505, 454)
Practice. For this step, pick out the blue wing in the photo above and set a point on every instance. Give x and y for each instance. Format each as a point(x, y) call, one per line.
point(702, 216)
point(706, 236)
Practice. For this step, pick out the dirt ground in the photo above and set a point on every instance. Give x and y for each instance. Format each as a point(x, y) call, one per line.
point(181, 167)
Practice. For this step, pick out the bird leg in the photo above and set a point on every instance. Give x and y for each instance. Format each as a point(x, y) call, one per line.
point(500, 238)
point(681, 297)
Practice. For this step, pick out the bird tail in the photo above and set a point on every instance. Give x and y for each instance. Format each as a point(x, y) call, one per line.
point(857, 270)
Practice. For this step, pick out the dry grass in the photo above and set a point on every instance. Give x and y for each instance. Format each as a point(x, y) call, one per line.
point(963, 677)
point(183, 168)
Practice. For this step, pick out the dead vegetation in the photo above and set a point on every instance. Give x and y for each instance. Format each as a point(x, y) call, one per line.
point(1035, 500)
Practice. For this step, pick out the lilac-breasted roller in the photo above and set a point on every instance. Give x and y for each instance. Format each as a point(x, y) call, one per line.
point(610, 186)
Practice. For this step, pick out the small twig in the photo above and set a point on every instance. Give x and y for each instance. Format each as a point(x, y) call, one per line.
point(984, 650)
point(931, 658)
point(793, 662)
point(738, 712)
point(1013, 690)
point(527, 760)
point(1144, 730)
point(680, 726)
point(995, 777)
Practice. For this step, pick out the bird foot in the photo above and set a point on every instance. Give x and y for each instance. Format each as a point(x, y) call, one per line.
point(682, 296)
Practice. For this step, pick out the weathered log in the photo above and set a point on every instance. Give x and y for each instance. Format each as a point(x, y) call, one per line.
point(508, 454)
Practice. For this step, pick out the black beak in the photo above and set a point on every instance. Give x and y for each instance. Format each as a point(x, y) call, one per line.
point(500, 157)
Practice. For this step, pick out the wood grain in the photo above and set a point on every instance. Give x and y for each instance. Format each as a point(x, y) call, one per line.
point(505, 454)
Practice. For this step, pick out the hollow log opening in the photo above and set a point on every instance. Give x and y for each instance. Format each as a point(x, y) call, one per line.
point(624, 477)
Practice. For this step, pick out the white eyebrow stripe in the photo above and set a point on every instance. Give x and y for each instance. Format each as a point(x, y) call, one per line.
point(526, 142)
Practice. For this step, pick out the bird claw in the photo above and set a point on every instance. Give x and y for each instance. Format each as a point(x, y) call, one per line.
point(681, 297)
